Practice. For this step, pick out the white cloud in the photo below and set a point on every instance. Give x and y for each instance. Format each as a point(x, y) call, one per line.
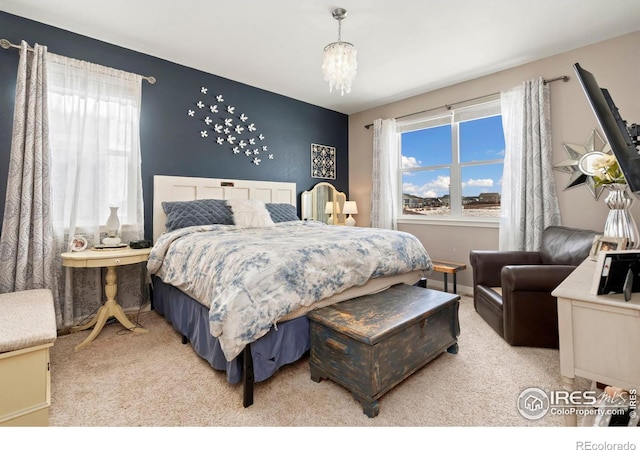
point(410, 162)
point(482, 182)
point(435, 188)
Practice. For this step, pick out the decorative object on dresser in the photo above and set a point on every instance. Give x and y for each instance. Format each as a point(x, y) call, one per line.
point(620, 222)
point(339, 64)
point(512, 289)
point(113, 226)
point(314, 204)
point(370, 344)
point(350, 208)
point(27, 332)
point(331, 208)
point(78, 244)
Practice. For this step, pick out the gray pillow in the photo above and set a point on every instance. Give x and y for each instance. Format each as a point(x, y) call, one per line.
point(282, 212)
point(197, 212)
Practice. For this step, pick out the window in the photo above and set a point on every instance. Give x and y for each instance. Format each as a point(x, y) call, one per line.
point(95, 146)
point(452, 164)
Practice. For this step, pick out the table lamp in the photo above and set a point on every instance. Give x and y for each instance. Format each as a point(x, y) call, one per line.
point(328, 209)
point(350, 208)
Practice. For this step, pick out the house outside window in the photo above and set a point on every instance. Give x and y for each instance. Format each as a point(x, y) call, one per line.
point(451, 167)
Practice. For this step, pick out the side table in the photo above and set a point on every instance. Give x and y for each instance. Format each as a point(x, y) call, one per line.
point(446, 268)
point(110, 259)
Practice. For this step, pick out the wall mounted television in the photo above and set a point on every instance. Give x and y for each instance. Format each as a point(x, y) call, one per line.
point(622, 138)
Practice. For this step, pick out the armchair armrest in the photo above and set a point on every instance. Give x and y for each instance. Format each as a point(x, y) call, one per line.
point(535, 278)
point(487, 264)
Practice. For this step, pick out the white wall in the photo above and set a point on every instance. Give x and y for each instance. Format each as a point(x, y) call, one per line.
point(615, 65)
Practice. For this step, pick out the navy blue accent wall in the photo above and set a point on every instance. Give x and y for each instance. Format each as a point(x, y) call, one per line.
point(170, 139)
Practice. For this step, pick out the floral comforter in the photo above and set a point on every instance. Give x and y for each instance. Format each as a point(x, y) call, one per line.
point(251, 277)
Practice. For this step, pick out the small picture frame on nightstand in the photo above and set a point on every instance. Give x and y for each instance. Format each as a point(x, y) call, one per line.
point(607, 244)
point(78, 244)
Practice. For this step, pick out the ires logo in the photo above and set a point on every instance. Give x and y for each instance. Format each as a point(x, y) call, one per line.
point(534, 403)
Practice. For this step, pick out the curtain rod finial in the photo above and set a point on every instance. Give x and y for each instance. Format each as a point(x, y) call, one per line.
point(5, 44)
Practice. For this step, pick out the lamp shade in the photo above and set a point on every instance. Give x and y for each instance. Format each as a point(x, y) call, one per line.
point(328, 208)
point(350, 207)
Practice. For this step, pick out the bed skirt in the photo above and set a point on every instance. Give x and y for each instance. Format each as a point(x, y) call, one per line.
point(281, 346)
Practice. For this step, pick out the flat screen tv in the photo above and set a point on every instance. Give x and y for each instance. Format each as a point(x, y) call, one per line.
point(622, 139)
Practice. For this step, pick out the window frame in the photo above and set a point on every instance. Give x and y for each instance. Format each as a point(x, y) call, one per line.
point(490, 103)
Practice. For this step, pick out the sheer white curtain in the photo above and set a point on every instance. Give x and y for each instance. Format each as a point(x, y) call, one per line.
point(529, 203)
point(95, 147)
point(386, 157)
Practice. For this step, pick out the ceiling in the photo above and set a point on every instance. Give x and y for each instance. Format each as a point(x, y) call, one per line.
point(405, 48)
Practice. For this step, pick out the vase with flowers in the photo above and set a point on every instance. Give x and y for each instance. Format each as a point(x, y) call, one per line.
point(620, 222)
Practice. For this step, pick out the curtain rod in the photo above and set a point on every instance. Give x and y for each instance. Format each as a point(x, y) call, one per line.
point(564, 78)
point(7, 45)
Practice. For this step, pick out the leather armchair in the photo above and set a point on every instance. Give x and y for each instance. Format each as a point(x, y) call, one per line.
point(512, 289)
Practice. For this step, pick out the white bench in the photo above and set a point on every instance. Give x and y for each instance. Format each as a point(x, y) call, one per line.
point(27, 331)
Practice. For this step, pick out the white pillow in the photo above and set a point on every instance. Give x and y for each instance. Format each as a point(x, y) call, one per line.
point(250, 213)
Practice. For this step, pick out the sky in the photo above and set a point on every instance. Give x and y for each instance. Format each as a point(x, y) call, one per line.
point(480, 139)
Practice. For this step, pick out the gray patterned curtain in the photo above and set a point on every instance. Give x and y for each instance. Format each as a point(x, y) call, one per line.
point(27, 247)
point(529, 202)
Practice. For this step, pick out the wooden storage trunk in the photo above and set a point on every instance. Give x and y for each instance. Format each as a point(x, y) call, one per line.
point(370, 344)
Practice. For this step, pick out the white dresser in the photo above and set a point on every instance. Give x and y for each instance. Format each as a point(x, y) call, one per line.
point(599, 334)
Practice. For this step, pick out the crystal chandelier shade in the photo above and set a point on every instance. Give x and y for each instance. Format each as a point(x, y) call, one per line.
point(339, 64)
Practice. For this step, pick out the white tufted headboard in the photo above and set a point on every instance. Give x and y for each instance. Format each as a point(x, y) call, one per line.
point(171, 189)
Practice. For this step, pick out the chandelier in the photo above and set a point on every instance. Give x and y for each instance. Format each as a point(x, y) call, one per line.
point(339, 63)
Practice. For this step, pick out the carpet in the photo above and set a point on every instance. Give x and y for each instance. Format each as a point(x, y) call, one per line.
point(124, 379)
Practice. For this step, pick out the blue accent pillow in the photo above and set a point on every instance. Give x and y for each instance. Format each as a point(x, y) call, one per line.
point(282, 212)
point(197, 212)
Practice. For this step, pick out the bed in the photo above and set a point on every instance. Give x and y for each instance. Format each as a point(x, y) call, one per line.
point(235, 270)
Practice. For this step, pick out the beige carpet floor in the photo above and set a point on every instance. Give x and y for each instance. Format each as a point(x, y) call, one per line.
point(124, 379)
